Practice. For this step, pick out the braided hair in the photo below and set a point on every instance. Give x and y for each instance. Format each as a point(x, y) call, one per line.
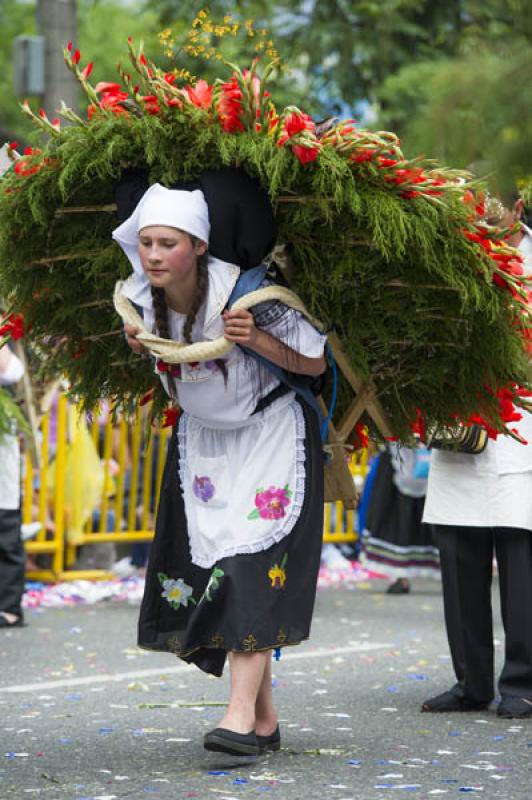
point(160, 310)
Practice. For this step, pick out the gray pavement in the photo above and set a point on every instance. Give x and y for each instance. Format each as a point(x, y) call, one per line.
point(85, 715)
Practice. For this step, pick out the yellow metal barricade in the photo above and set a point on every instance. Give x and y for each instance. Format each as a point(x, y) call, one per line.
point(132, 457)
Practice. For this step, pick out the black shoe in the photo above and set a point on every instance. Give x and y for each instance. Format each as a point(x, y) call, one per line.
point(18, 623)
point(221, 740)
point(271, 742)
point(514, 708)
point(400, 586)
point(448, 702)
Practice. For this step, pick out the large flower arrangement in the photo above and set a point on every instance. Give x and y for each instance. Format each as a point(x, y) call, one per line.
point(430, 303)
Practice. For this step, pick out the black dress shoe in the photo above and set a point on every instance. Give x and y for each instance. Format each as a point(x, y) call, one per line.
point(18, 623)
point(271, 742)
point(514, 708)
point(400, 586)
point(221, 740)
point(448, 702)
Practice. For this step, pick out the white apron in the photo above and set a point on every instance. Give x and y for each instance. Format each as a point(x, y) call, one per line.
point(243, 483)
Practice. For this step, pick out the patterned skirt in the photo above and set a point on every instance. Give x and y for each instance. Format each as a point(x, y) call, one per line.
point(242, 603)
point(396, 542)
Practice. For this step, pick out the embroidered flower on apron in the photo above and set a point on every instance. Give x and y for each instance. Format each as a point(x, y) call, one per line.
point(271, 503)
point(203, 488)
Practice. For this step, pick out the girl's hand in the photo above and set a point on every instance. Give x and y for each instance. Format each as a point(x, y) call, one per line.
point(239, 327)
point(131, 339)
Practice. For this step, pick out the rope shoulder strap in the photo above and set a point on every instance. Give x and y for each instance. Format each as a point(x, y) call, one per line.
point(177, 353)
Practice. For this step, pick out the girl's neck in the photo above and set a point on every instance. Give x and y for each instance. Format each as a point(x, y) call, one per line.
point(180, 296)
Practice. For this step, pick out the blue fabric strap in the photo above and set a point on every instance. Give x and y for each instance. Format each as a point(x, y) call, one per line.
point(249, 281)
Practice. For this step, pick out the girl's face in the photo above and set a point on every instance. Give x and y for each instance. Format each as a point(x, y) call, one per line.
point(168, 255)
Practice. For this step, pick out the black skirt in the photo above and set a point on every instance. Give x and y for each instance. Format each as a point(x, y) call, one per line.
point(396, 542)
point(244, 603)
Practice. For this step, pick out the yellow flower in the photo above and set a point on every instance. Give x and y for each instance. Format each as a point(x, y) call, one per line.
point(277, 576)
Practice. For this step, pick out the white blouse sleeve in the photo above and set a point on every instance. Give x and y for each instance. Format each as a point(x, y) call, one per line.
point(291, 328)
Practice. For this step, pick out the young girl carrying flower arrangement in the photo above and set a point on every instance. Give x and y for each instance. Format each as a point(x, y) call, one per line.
point(234, 563)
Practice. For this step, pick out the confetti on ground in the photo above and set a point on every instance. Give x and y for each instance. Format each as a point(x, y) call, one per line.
point(131, 589)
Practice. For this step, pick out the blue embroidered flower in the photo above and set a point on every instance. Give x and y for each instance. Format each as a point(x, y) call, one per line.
point(203, 488)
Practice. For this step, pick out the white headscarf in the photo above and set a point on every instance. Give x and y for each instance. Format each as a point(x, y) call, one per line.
point(175, 208)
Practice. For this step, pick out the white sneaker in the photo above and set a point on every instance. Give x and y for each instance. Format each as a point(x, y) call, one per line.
point(332, 558)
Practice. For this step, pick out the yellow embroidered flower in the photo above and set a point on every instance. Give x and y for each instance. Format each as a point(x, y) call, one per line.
point(277, 575)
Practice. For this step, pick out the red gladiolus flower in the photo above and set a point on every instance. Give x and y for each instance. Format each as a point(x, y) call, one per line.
point(418, 426)
point(106, 87)
point(386, 162)
point(151, 104)
point(229, 106)
point(13, 145)
point(146, 398)
point(200, 94)
point(112, 96)
point(87, 71)
point(69, 47)
point(76, 57)
point(13, 327)
point(273, 121)
point(360, 436)
point(171, 415)
point(293, 124)
point(305, 154)
point(516, 433)
point(255, 88)
point(359, 158)
point(143, 60)
point(169, 77)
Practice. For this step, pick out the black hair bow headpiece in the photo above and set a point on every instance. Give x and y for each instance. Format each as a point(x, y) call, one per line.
point(243, 226)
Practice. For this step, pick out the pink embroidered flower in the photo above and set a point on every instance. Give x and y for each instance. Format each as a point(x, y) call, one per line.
point(271, 503)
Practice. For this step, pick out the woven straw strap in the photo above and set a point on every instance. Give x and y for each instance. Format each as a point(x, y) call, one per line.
point(176, 353)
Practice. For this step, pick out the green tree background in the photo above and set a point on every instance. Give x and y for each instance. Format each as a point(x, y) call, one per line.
point(451, 78)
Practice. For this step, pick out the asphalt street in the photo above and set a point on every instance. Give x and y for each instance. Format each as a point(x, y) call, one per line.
point(86, 715)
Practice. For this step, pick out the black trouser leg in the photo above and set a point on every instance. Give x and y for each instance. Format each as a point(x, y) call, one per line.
point(12, 562)
point(514, 558)
point(466, 557)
